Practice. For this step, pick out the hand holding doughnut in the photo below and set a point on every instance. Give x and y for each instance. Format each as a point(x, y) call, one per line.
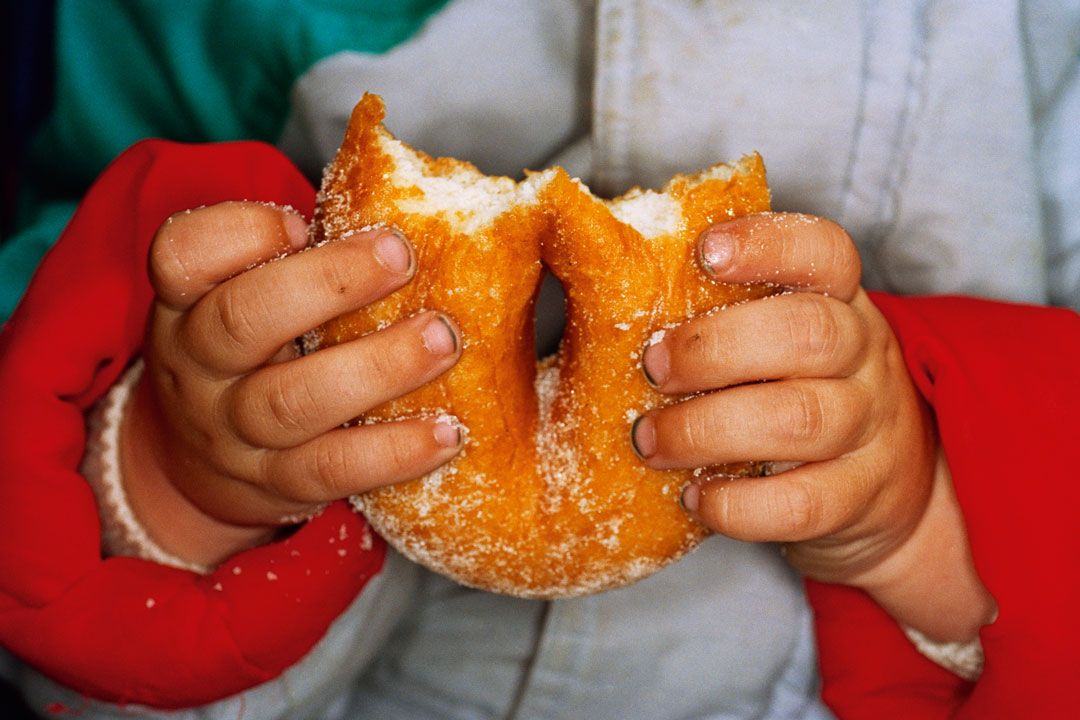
point(230, 434)
point(838, 402)
point(867, 498)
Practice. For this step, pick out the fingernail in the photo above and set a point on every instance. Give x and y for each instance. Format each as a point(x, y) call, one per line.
point(776, 467)
point(438, 337)
point(656, 364)
point(296, 230)
point(691, 498)
point(643, 437)
point(393, 253)
point(717, 251)
point(447, 433)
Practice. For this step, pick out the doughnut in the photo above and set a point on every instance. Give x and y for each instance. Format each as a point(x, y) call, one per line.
point(546, 498)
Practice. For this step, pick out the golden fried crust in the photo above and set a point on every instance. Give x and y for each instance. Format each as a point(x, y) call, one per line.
point(547, 498)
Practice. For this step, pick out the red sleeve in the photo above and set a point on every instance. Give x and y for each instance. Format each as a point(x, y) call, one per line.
point(122, 629)
point(1004, 383)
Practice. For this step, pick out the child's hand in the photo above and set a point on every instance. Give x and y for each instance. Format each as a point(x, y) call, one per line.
point(872, 486)
point(231, 434)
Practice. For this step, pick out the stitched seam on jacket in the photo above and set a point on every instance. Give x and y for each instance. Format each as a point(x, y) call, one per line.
point(614, 73)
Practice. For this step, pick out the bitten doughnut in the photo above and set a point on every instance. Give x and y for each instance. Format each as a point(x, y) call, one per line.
point(547, 498)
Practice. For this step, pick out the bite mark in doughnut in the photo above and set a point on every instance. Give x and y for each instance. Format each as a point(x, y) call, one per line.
point(547, 498)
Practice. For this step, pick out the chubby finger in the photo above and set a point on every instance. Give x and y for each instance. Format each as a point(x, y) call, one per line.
point(348, 461)
point(811, 501)
point(195, 250)
point(802, 252)
point(791, 335)
point(285, 404)
point(242, 323)
point(800, 420)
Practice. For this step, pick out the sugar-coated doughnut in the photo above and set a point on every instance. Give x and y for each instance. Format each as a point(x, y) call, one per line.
point(547, 498)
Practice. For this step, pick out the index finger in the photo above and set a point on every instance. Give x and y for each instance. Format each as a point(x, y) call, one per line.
point(801, 252)
point(196, 250)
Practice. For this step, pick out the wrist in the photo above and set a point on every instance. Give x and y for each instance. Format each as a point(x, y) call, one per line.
point(174, 523)
point(929, 583)
point(121, 533)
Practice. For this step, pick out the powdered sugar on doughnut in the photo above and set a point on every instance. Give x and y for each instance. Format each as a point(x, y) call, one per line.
point(546, 498)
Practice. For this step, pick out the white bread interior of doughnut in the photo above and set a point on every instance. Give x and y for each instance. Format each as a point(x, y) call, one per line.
point(465, 197)
point(547, 498)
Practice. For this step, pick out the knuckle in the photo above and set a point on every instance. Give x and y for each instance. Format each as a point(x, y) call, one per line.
point(167, 263)
point(334, 467)
point(290, 402)
point(801, 416)
point(699, 429)
point(857, 426)
point(381, 364)
point(853, 335)
point(812, 327)
point(777, 511)
point(399, 452)
point(391, 363)
point(236, 317)
point(276, 473)
point(795, 511)
point(843, 257)
point(296, 489)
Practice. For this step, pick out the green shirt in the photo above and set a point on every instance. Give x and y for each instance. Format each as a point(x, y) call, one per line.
point(198, 71)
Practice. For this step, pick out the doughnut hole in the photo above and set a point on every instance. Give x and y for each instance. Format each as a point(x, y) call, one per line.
point(550, 315)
